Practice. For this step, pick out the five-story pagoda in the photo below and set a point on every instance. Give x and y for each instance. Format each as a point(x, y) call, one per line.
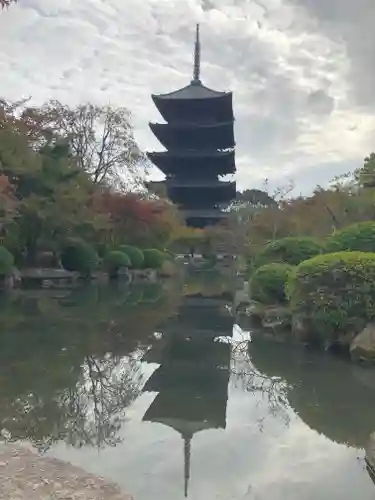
point(199, 141)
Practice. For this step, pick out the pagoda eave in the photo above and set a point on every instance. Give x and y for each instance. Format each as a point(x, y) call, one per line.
point(194, 136)
point(191, 184)
point(173, 163)
point(203, 214)
point(184, 104)
point(193, 91)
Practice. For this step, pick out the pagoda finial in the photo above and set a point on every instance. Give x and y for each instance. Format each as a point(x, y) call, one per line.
point(197, 58)
point(187, 456)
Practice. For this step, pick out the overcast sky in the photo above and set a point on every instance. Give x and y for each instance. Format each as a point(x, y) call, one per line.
point(302, 71)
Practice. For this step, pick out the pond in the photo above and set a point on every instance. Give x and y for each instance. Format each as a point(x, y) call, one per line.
point(156, 388)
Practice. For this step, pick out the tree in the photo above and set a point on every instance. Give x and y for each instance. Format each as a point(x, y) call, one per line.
point(100, 137)
point(135, 220)
point(53, 195)
point(365, 176)
point(6, 3)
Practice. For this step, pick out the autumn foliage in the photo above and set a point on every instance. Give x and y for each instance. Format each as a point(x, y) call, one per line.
point(56, 185)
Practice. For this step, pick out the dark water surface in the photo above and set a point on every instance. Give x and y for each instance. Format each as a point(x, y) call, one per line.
point(157, 389)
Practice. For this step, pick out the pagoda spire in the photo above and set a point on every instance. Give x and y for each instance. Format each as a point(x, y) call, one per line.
point(187, 456)
point(197, 58)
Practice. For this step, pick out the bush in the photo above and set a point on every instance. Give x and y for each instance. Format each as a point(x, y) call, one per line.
point(334, 292)
point(267, 284)
point(6, 262)
point(291, 250)
point(135, 255)
point(114, 260)
point(354, 238)
point(78, 256)
point(153, 258)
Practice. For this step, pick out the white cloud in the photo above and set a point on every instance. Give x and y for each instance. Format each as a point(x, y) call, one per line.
point(301, 70)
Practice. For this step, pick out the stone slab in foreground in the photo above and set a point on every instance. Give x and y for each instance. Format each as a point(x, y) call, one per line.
point(25, 475)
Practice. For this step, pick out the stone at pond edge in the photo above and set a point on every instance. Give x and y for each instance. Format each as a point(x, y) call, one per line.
point(304, 330)
point(26, 476)
point(277, 317)
point(362, 347)
point(268, 321)
point(11, 281)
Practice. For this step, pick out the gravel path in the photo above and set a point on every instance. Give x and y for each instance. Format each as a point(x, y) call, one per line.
point(24, 475)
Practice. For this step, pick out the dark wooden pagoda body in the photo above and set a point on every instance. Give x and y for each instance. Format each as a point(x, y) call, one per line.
point(199, 141)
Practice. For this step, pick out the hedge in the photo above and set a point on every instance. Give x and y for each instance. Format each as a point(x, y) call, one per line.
point(114, 260)
point(356, 237)
point(78, 256)
point(292, 250)
point(6, 262)
point(334, 291)
point(153, 258)
point(267, 284)
point(135, 255)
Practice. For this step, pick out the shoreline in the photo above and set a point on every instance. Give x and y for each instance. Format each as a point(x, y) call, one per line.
point(25, 475)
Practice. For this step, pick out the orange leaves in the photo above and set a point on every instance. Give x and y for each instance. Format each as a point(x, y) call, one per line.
point(135, 219)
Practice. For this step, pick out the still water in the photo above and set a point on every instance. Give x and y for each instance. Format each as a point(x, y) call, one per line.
point(157, 388)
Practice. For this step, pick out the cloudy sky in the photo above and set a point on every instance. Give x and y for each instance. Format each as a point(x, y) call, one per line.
point(302, 71)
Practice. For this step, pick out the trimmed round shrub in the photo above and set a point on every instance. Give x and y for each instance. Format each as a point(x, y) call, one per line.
point(153, 258)
point(114, 260)
point(267, 284)
point(78, 256)
point(334, 292)
point(354, 238)
point(291, 250)
point(135, 255)
point(6, 262)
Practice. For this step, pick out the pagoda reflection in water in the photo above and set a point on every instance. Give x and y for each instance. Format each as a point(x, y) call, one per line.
point(192, 380)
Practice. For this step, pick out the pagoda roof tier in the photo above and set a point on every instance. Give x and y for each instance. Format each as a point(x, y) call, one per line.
point(186, 376)
point(195, 103)
point(194, 135)
point(187, 183)
point(186, 163)
point(185, 192)
point(212, 213)
point(186, 413)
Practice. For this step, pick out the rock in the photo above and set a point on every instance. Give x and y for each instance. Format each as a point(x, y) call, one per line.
point(301, 328)
point(11, 281)
point(142, 275)
point(17, 278)
point(168, 269)
point(27, 476)
point(277, 317)
point(362, 347)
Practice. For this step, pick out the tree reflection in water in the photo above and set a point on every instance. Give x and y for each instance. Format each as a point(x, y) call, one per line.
point(70, 363)
point(271, 389)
